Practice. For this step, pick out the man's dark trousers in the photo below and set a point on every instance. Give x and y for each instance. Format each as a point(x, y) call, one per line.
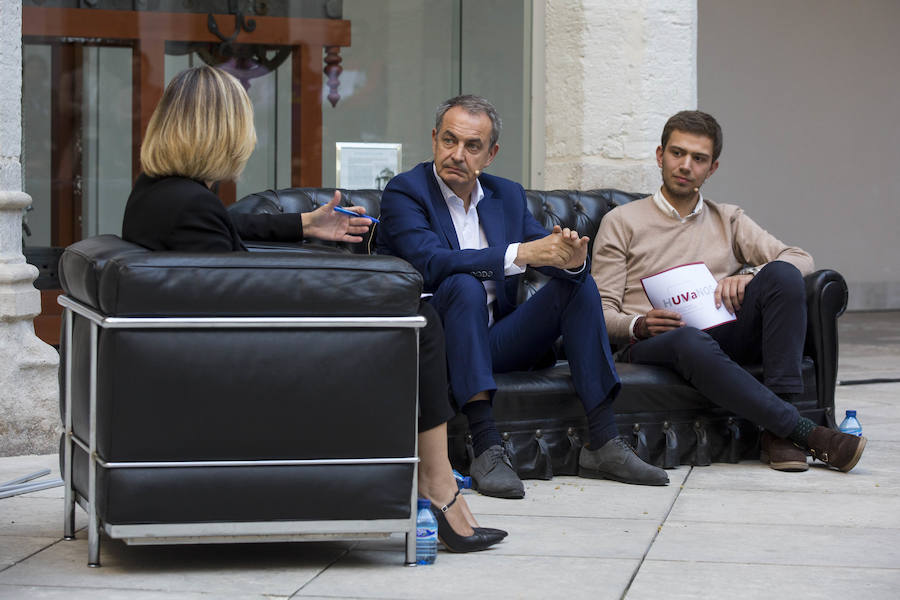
point(770, 328)
point(517, 341)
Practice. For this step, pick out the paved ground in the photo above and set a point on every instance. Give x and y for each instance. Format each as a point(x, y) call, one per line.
point(723, 531)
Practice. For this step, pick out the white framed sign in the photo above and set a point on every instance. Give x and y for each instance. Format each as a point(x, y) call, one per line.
point(363, 165)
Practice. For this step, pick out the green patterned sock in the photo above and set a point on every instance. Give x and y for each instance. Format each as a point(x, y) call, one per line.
point(802, 430)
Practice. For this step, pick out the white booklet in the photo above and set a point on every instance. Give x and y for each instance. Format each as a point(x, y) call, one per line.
point(688, 290)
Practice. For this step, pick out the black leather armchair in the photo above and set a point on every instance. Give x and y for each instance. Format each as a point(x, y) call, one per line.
point(238, 396)
point(668, 421)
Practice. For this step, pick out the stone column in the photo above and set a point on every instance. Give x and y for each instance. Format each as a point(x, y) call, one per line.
point(29, 391)
point(615, 71)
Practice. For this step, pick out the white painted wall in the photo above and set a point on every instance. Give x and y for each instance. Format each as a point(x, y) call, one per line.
point(808, 94)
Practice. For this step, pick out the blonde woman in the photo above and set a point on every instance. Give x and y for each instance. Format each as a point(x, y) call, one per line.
point(202, 132)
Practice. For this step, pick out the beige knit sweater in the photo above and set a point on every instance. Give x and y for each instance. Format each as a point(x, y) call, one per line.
point(637, 239)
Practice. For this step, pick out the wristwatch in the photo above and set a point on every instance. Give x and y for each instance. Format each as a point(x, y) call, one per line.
point(751, 270)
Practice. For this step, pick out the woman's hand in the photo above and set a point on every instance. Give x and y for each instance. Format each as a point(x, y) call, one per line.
point(325, 223)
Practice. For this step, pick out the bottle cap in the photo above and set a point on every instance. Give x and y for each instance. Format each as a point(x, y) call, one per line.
point(424, 503)
point(851, 413)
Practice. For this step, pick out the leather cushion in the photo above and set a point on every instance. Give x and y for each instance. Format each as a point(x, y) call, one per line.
point(122, 279)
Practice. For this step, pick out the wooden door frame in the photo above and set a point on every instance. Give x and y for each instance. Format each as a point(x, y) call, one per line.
point(147, 33)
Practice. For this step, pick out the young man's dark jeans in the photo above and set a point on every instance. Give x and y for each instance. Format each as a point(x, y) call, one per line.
point(770, 328)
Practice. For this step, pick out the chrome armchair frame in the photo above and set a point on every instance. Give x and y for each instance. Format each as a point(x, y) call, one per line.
point(223, 532)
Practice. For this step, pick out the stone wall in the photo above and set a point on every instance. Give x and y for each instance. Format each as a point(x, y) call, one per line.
point(29, 418)
point(615, 71)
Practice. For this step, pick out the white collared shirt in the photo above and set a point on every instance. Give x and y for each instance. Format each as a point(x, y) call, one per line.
point(470, 233)
point(663, 205)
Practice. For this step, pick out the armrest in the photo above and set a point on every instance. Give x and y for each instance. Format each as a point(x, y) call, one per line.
point(122, 279)
point(301, 247)
point(826, 300)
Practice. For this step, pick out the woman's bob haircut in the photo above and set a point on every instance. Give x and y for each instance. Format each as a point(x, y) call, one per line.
point(201, 129)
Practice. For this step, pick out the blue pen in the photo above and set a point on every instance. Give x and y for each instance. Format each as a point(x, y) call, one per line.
point(343, 210)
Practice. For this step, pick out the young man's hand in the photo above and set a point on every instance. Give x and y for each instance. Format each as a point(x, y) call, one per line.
point(730, 292)
point(657, 321)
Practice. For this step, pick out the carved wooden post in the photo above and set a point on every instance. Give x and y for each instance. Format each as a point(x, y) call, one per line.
point(333, 69)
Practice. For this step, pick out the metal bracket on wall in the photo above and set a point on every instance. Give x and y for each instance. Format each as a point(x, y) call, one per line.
point(225, 48)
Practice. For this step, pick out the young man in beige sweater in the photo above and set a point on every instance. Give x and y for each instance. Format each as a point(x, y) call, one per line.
point(677, 226)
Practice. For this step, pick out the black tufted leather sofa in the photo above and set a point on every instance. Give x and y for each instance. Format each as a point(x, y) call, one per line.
point(238, 396)
point(668, 422)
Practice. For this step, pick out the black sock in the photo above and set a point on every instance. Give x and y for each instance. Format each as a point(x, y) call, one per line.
point(481, 425)
point(601, 425)
point(801, 431)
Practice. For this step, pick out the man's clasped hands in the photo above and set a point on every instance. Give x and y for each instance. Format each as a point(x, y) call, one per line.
point(563, 249)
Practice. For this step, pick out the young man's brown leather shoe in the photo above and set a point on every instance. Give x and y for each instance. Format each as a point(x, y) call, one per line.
point(835, 449)
point(781, 454)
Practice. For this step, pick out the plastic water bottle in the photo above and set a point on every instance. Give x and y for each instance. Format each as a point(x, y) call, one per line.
point(850, 424)
point(426, 534)
point(463, 482)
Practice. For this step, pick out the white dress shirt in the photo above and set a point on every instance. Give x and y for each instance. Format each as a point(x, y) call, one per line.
point(470, 234)
point(662, 204)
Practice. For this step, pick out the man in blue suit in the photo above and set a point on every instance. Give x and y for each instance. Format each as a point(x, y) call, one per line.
point(471, 236)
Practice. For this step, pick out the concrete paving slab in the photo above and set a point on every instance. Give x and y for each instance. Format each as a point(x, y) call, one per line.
point(881, 397)
point(478, 575)
point(557, 536)
point(778, 544)
point(578, 497)
point(887, 432)
point(876, 406)
point(684, 580)
point(13, 467)
point(877, 473)
point(34, 592)
point(228, 569)
point(868, 361)
point(14, 548)
point(812, 508)
point(36, 517)
point(869, 345)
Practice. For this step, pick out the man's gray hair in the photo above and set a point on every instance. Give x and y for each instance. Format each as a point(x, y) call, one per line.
point(473, 105)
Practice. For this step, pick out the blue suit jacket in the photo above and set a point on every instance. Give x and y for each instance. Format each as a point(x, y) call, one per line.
point(416, 226)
